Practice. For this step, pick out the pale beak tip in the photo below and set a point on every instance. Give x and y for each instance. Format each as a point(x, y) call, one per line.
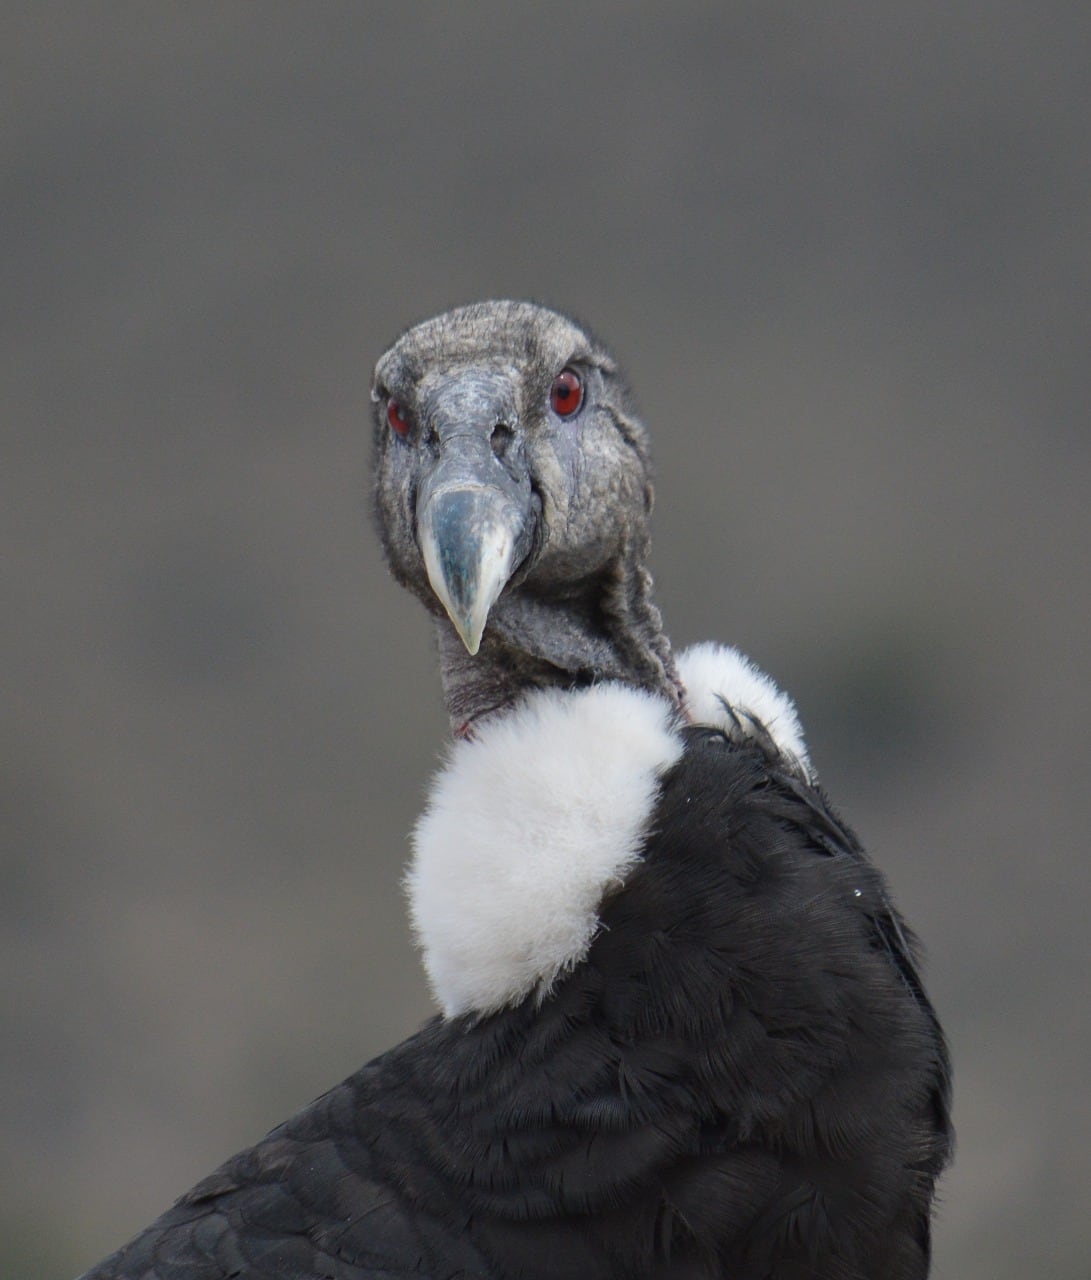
point(469, 634)
point(467, 538)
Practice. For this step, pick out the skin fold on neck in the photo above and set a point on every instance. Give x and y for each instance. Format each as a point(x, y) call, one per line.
point(535, 642)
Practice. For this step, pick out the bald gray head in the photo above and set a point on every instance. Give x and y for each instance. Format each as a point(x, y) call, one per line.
point(513, 495)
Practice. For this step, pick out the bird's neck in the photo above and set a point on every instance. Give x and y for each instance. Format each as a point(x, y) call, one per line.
point(607, 630)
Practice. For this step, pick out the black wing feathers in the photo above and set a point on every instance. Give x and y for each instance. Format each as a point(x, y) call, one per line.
point(744, 1078)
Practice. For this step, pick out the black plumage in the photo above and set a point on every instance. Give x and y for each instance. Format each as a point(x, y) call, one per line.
point(742, 1078)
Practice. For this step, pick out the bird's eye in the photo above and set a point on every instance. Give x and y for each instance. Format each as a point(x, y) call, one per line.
point(566, 393)
point(396, 416)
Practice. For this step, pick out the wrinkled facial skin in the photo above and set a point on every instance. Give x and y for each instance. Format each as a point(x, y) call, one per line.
point(473, 388)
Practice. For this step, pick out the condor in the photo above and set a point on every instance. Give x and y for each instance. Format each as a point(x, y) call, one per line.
point(683, 1032)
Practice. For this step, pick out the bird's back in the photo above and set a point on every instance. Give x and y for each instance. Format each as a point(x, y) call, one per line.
point(743, 1078)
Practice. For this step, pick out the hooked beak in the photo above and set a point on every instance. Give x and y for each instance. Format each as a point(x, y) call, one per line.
point(472, 537)
point(474, 506)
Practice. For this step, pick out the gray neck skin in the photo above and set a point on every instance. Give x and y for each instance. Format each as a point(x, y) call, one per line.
point(614, 632)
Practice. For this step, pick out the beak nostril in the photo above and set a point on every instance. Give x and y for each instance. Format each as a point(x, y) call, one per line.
point(500, 438)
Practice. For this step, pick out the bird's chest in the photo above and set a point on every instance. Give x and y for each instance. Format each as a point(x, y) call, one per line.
point(530, 825)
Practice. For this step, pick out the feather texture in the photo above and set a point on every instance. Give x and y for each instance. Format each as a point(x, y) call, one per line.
point(530, 824)
point(737, 1079)
point(539, 816)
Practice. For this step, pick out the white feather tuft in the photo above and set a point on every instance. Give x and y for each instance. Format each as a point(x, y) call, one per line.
point(544, 812)
point(714, 674)
point(529, 824)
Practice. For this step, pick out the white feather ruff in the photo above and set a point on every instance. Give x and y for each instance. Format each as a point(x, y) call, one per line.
point(714, 674)
point(528, 825)
point(544, 812)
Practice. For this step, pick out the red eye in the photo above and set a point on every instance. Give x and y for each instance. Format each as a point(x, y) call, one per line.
point(566, 394)
point(395, 415)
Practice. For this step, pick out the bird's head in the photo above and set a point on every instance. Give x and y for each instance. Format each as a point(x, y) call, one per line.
point(513, 490)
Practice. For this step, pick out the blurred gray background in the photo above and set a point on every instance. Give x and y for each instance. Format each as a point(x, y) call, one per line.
point(844, 252)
